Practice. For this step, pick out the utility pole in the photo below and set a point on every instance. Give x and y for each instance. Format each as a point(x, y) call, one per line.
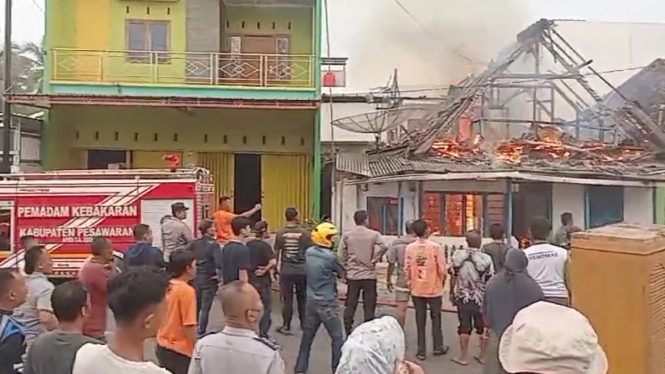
point(6, 106)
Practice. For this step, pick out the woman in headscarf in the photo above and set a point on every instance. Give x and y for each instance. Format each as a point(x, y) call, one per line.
point(508, 292)
point(376, 347)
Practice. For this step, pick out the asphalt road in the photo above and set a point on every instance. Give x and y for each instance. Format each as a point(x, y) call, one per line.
point(320, 357)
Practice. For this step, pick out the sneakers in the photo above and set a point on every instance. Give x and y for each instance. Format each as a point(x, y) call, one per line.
point(442, 351)
point(285, 331)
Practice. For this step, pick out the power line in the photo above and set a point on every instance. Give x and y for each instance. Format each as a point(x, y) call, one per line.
point(38, 6)
point(431, 34)
point(444, 88)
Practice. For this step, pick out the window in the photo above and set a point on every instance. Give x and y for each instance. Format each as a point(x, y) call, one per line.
point(383, 214)
point(605, 205)
point(148, 42)
point(453, 214)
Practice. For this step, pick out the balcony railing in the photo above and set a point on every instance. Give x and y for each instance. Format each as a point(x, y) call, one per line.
point(191, 68)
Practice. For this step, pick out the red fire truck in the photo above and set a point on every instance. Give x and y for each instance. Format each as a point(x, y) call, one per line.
point(66, 209)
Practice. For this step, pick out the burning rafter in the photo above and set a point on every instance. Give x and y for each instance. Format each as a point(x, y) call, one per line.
point(540, 37)
point(543, 143)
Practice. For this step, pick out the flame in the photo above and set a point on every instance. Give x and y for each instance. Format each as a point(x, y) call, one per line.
point(456, 148)
point(548, 143)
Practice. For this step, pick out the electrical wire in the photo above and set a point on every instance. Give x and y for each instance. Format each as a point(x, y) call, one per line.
point(38, 6)
point(445, 88)
point(432, 35)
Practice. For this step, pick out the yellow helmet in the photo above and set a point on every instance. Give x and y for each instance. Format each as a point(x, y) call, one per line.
point(323, 234)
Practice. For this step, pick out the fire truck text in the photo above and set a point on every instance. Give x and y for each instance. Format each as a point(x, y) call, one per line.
point(82, 234)
point(77, 211)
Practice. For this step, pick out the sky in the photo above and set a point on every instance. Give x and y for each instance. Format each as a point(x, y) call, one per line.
point(377, 35)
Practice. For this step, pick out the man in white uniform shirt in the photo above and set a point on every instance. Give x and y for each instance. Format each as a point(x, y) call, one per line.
point(548, 263)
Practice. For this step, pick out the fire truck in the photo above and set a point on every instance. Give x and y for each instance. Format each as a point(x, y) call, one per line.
point(64, 210)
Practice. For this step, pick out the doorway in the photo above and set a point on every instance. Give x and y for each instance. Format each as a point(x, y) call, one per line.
point(247, 183)
point(102, 158)
point(534, 199)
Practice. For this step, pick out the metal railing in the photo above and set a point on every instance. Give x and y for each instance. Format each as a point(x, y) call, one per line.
point(190, 68)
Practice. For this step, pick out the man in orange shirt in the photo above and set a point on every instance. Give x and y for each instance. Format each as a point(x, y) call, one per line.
point(225, 215)
point(425, 270)
point(176, 337)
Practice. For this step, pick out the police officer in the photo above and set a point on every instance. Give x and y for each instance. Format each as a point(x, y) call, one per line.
point(237, 349)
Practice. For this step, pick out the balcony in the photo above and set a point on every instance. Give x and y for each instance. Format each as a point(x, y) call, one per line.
point(222, 75)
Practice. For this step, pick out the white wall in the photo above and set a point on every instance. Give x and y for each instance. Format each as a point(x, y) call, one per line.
point(462, 186)
point(567, 198)
point(638, 205)
point(342, 110)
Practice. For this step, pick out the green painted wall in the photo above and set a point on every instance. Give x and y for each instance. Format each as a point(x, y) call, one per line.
point(660, 205)
point(288, 21)
point(172, 12)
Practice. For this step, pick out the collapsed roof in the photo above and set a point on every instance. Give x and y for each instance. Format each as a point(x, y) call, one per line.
point(503, 132)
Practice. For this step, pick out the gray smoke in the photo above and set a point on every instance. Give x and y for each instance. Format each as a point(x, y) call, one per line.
point(386, 38)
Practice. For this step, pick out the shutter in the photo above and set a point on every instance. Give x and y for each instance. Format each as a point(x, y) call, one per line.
point(221, 166)
point(286, 182)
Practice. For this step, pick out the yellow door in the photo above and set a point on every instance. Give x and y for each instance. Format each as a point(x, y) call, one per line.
point(286, 182)
point(222, 168)
point(152, 159)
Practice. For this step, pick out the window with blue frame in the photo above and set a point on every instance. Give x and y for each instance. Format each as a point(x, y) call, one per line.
point(604, 205)
point(383, 214)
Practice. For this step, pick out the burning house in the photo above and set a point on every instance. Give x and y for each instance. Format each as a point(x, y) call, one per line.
point(527, 137)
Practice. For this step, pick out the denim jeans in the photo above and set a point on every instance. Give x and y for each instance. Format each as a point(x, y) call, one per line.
point(205, 295)
point(317, 313)
point(265, 291)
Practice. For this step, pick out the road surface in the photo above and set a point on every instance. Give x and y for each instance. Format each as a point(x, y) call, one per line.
point(320, 357)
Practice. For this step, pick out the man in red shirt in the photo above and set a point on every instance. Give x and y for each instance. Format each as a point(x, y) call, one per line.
point(93, 276)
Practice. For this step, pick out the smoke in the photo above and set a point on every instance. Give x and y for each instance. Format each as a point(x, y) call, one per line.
point(386, 38)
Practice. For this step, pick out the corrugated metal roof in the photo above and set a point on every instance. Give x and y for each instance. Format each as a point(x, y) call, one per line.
point(353, 163)
point(381, 165)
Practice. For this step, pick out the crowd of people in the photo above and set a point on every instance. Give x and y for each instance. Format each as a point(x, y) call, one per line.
point(516, 301)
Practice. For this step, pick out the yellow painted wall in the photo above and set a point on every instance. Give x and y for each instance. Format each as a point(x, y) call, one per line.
point(222, 167)
point(93, 32)
point(152, 159)
point(286, 182)
point(200, 130)
point(208, 138)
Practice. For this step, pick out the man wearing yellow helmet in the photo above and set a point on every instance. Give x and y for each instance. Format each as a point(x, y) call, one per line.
point(322, 306)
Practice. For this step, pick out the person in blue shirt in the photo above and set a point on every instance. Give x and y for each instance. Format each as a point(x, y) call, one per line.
point(13, 293)
point(143, 253)
point(322, 307)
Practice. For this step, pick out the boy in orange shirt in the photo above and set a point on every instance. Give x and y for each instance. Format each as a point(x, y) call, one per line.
point(176, 338)
point(425, 270)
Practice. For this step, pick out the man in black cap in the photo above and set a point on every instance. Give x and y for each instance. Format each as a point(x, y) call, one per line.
point(176, 235)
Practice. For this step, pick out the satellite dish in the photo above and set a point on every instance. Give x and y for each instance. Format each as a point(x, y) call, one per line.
point(380, 121)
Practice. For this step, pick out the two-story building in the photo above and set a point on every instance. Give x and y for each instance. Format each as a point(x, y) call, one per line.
point(230, 85)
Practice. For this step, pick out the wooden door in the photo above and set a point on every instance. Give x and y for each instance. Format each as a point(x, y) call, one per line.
point(246, 62)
